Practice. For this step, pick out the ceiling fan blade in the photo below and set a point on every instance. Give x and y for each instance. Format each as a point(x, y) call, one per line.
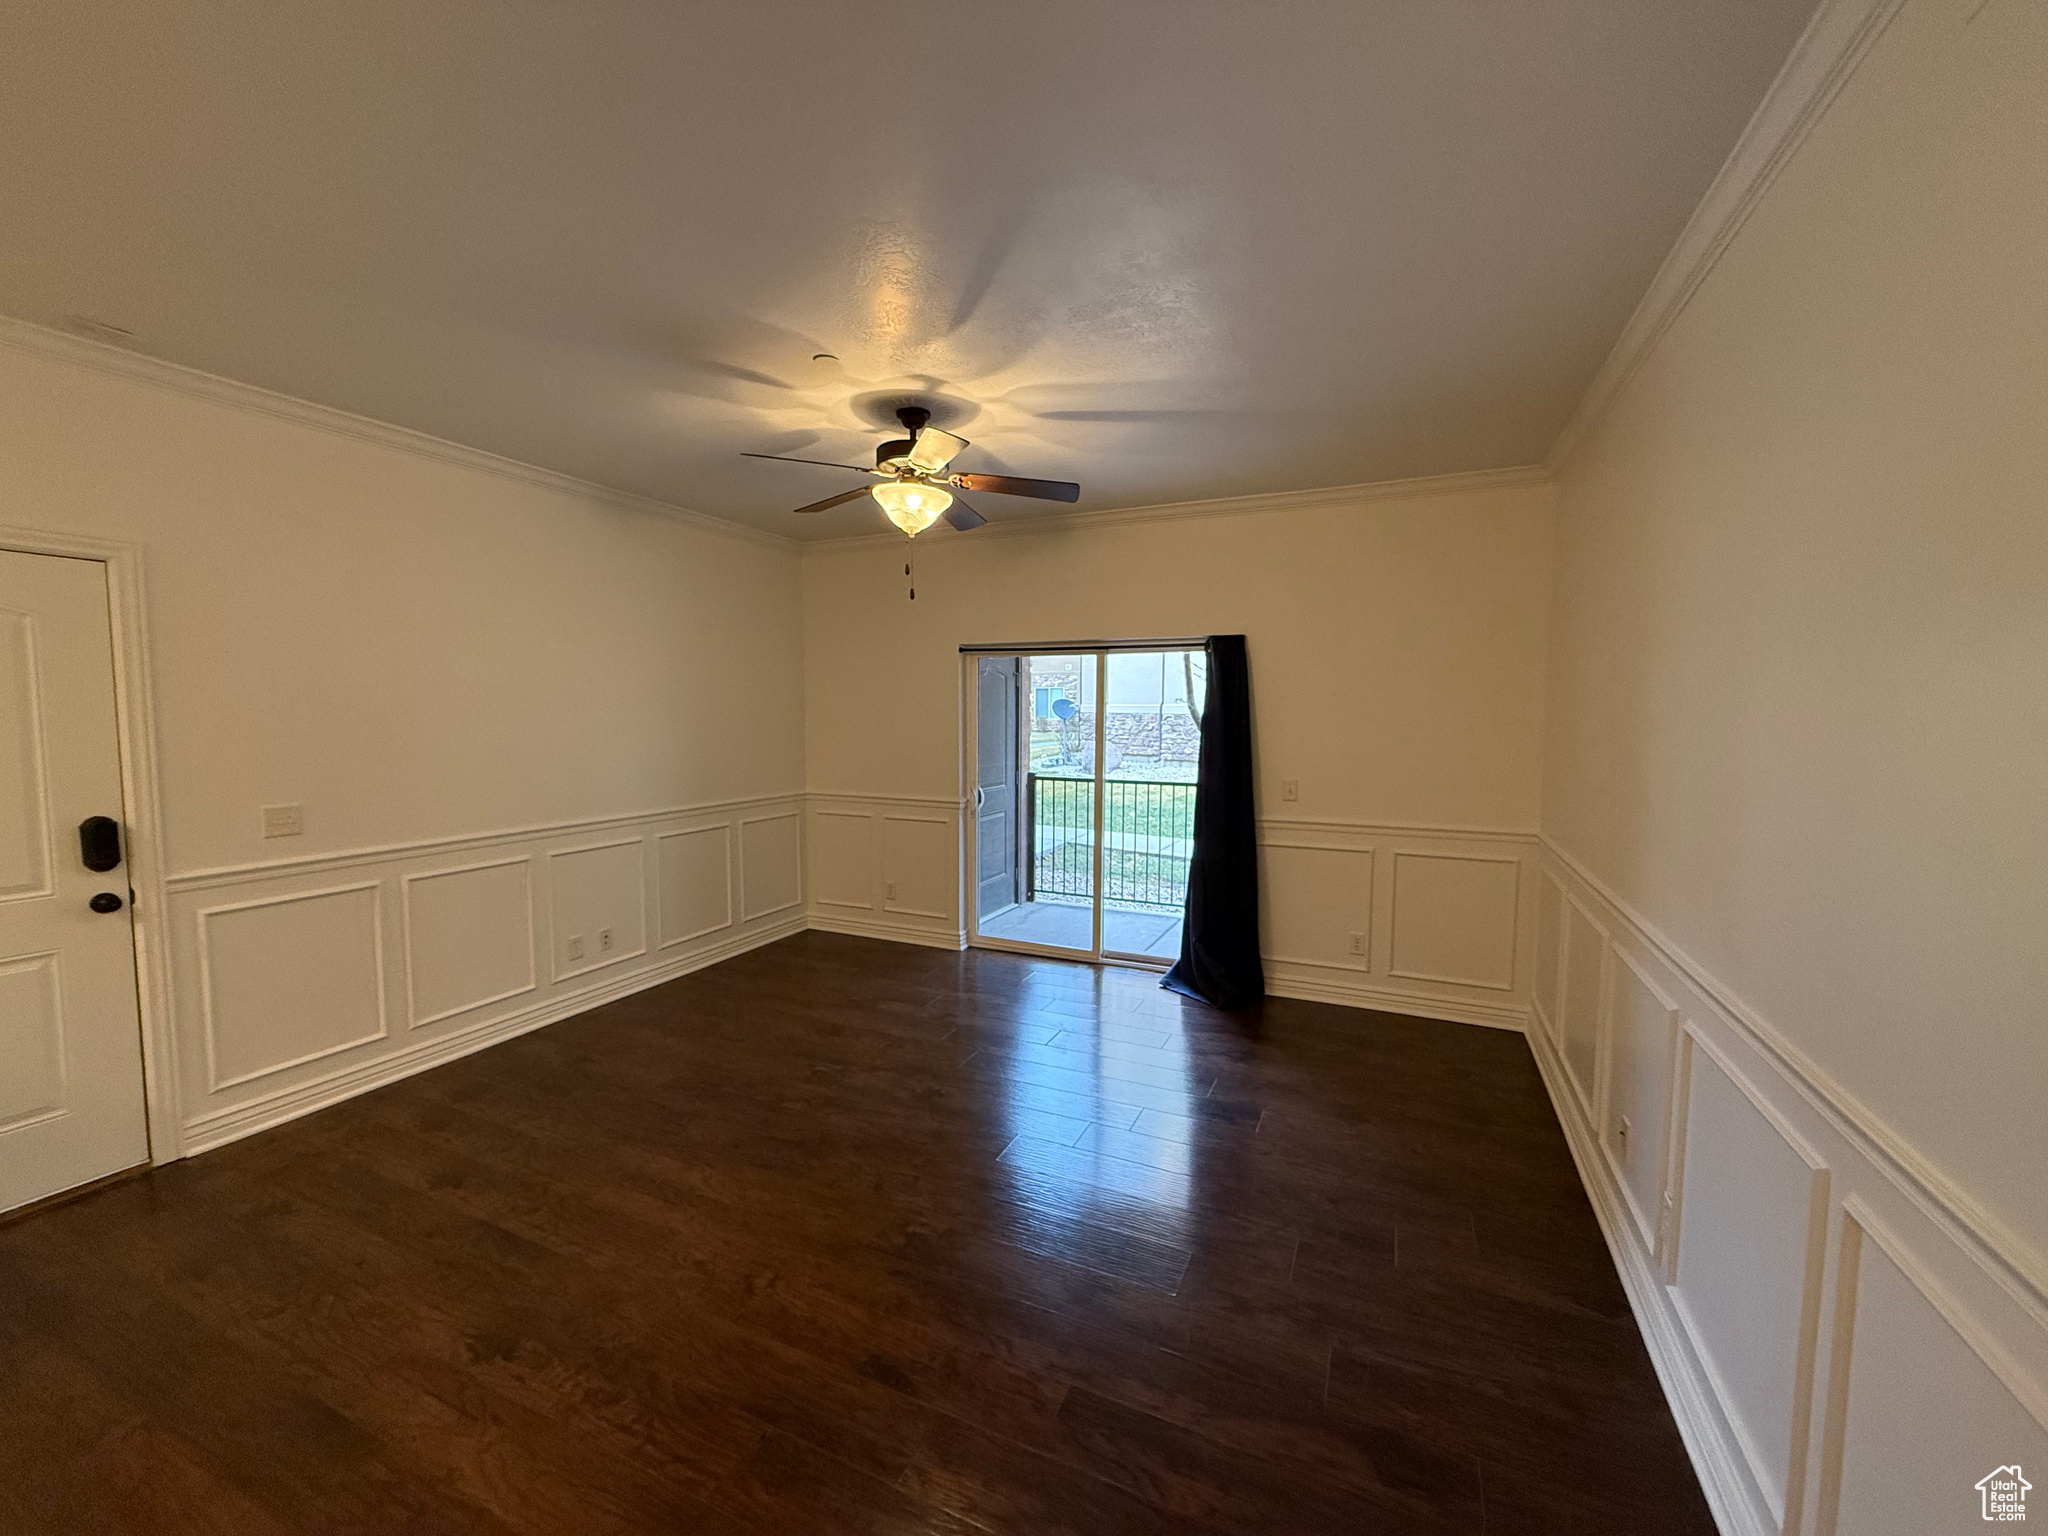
point(783, 458)
point(962, 516)
point(935, 450)
point(833, 501)
point(1012, 485)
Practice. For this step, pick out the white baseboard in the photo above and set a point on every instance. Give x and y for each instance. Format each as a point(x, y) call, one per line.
point(1345, 993)
point(218, 1129)
point(1764, 1202)
point(1419, 1005)
point(1709, 1440)
point(895, 933)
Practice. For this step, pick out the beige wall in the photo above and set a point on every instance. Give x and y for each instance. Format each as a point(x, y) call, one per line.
point(410, 648)
point(1396, 644)
point(1799, 700)
point(1768, 664)
point(1397, 654)
point(1798, 740)
point(504, 706)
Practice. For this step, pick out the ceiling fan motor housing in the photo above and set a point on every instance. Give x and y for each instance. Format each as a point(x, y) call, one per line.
point(914, 418)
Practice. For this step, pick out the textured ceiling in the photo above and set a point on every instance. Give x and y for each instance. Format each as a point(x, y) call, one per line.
point(1169, 248)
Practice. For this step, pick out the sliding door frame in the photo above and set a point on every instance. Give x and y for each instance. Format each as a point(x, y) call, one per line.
point(970, 715)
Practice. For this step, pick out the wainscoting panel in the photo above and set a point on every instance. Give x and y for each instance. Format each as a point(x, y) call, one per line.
point(1316, 899)
point(692, 883)
point(290, 979)
point(285, 1002)
point(920, 868)
point(597, 905)
point(1454, 919)
point(1848, 1342)
point(1636, 1127)
point(1887, 1470)
point(771, 864)
point(1751, 1206)
point(1550, 909)
point(468, 938)
point(1583, 967)
point(842, 848)
point(861, 847)
point(1463, 911)
point(1447, 917)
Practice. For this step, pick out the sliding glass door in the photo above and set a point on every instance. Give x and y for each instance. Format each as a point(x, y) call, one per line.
point(1083, 766)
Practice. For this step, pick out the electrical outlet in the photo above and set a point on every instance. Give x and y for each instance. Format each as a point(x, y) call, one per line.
point(284, 820)
point(1290, 789)
point(889, 891)
point(604, 941)
point(575, 946)
point(1358, 943)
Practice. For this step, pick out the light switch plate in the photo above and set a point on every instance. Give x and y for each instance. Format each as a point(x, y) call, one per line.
point(284, 820)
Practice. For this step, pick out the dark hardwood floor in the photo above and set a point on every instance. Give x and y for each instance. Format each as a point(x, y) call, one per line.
point(852, 1236)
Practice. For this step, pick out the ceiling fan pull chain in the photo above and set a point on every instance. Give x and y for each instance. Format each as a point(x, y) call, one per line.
point(912, 580)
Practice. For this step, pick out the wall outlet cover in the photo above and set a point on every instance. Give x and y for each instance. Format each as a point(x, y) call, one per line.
point(284, 820)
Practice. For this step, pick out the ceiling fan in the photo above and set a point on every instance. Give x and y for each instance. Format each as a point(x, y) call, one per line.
point(915, 490)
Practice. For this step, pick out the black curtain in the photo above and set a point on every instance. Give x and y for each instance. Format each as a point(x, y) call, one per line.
point(1219, 945)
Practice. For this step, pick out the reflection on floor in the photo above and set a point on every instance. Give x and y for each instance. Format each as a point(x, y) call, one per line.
point(1049, 922)
point(851, 1236)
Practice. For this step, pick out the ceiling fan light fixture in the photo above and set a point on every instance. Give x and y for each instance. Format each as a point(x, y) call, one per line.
point(933, 450)
point(911, 506)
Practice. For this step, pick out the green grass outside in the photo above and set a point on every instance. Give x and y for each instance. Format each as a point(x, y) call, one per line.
point(1140, 810)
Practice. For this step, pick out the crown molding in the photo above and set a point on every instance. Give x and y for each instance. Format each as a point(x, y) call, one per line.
point(1820, 64)
point(138, 367)
point(1834, 43)
point(1229, 506)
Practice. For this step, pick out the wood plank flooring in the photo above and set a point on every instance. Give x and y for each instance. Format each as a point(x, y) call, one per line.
point(846, 1236)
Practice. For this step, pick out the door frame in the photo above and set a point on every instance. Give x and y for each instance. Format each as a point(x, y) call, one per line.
point(1099, 652)
point(142, 813)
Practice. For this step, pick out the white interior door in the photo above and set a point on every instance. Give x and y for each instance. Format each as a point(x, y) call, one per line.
point(71, 1099)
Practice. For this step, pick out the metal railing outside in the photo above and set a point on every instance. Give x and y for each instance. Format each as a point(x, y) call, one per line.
point(1148, 828)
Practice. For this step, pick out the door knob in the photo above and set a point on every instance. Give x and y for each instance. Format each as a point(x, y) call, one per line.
point(106, 901)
